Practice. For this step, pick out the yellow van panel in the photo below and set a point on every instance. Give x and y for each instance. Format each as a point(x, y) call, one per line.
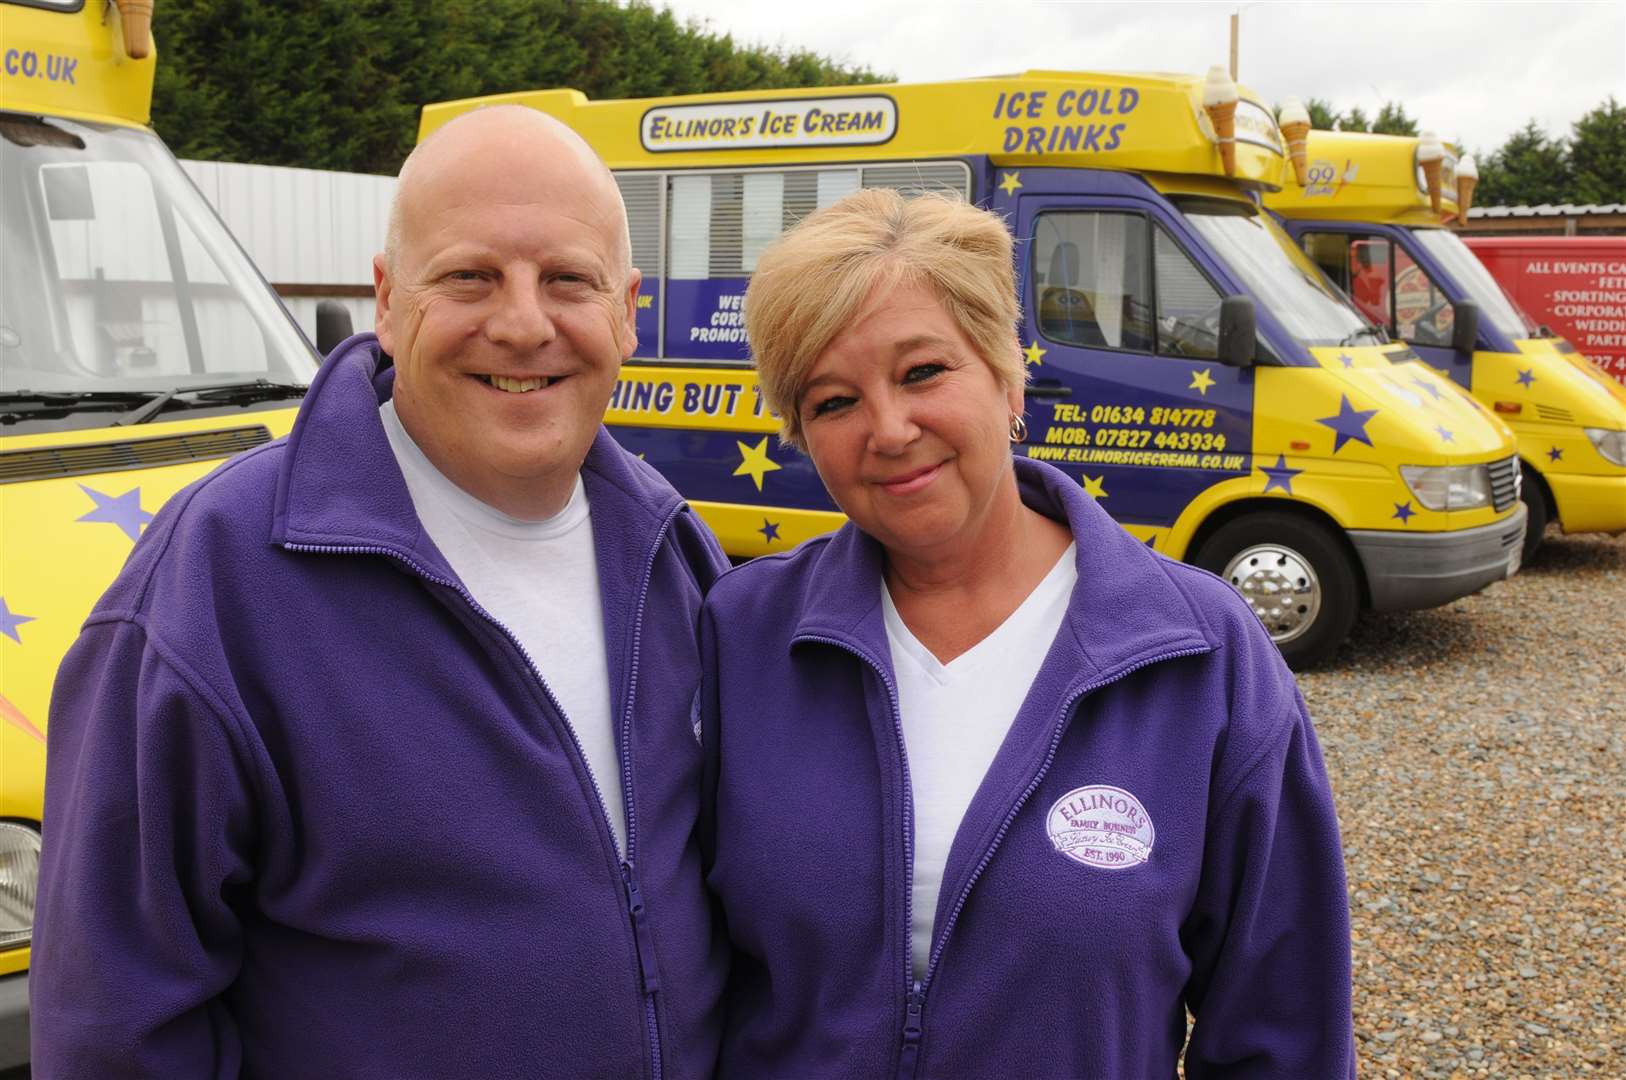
point(65, 540)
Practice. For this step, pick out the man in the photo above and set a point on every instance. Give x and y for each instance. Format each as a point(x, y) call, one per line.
point(378, 758)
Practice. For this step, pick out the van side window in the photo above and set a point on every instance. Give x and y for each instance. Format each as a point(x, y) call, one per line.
point(706, 229)
point(1388, 287)
point(642, 194)
point(1361, 265)
point(1187, 305)
point(1423, 314)
point(1092, 279)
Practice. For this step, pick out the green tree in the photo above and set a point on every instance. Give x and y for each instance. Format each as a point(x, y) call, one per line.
point(1322, 116)
point(1392, 120)
point(1529, 169)
point(338, 84)
point(1354, 120)
point(1597, 158)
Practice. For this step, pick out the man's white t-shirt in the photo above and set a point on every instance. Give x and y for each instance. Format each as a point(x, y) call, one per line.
point(540, 580)
point(956, 715)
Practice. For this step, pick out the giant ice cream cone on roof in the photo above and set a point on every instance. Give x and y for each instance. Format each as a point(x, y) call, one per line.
point(1220, 98)
point(136, 15)
point(1431, 155)
point(1295, 124)
point(1467, 180)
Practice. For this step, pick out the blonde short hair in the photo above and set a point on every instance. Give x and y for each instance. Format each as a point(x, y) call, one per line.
point(814, 281)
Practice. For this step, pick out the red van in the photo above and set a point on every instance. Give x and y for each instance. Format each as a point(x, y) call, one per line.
point(1573, 285)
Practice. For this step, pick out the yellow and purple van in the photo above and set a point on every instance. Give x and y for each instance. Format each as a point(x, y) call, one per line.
point(139, 348)
point(1365, 216)
point(1190, 366)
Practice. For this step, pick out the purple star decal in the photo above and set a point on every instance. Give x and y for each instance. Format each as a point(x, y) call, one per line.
point(1555, 454)
point(1445, 436)
point(1279, 475)
point(1428, 387)
point(121, 510)
point(769, 530)
point(1526, 377)
point(9, 622)
point(1347, 360)
point(1350, 423)
point(1404, 512)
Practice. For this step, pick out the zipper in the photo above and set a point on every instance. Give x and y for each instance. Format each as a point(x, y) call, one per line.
point(914, 993)
point(643, 938)
point(909, 1059)
point(915, 999)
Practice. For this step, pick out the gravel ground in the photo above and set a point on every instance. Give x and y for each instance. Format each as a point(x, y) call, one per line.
point(1478, 753)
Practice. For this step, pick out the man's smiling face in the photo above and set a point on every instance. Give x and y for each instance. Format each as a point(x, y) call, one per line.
point(508, 305)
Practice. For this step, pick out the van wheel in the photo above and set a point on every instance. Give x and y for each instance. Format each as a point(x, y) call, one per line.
point(1296, 576)
point(1533, 493)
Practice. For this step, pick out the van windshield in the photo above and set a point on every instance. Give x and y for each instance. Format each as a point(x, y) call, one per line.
point(1280, 276)
point(1466, 269)
point(117, 274)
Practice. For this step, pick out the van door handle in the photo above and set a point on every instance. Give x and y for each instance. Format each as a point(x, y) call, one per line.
point(1045, 391)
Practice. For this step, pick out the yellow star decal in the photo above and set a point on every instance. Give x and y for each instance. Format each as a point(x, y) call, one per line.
point(1201, 381)
point(755, 462)
point(1095, 486)
point(1034, 353)
point(1009, 183)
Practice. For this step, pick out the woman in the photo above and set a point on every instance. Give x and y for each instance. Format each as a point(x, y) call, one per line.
point(994, 790)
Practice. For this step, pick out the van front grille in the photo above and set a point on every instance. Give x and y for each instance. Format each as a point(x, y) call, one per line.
point(1505, 480)
point(45, 463)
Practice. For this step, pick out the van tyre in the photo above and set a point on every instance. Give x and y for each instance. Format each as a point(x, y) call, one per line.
point(1295, 574)
point(1533, 493)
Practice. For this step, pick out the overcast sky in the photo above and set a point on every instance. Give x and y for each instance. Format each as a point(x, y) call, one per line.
point(1470, 70)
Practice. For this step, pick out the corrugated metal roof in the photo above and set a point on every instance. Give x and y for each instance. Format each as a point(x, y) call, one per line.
point(1546, 210)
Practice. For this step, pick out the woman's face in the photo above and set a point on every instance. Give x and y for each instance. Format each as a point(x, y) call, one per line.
point(908, 426)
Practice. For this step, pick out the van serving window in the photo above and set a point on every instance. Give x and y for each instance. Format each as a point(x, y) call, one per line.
point(711, 226)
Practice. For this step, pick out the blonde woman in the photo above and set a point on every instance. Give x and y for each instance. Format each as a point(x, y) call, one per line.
point(993, 789)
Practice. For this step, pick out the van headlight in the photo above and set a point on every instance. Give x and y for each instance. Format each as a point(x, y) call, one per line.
point(19, 883)
point(1449, 487)
point(1611, 444)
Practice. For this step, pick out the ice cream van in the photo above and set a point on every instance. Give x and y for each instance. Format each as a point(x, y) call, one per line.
point(1189, 366)
point(1366, 216)
point(139, 348)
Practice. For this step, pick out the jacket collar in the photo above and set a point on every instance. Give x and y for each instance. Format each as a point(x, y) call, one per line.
point(1126, 609)
point(340, 485)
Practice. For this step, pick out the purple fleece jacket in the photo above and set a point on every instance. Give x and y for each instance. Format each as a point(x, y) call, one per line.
point(1155, 834)
point(311, 812)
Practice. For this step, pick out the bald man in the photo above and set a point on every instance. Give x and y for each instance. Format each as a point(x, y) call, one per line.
point(379, 759)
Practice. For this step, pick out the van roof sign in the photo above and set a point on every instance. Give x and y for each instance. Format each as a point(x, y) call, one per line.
point(850, 120)
point(1131, 122)
point(73, 63)
point(1354, 175)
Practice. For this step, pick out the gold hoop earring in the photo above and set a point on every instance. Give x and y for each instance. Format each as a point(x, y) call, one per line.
point(1019, 428)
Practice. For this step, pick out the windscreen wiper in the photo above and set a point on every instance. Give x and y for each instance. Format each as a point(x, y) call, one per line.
point(1369, 328)
point(51, 404)
point(230, 393)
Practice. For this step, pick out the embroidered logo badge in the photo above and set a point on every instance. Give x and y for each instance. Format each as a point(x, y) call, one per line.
point(1101, 826)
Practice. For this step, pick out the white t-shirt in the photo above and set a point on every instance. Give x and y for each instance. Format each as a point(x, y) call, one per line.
point(956, 715)
point(540, 580)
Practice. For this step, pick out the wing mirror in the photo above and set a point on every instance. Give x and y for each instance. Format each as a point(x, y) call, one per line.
point(332, 325)
point(1464, 326)
point(1238, 331)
